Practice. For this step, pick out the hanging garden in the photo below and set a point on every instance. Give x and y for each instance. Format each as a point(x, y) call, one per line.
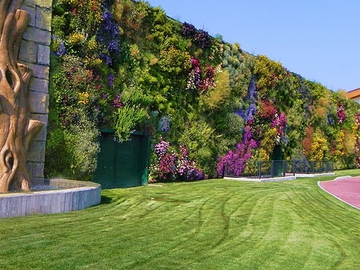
point(205, 103)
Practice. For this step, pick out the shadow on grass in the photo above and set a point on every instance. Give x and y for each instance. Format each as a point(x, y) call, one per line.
point(105, 200)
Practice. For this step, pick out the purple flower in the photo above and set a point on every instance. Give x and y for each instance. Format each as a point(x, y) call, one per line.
point(172, 166)
point(202, 38)
point(195, 63)
point(252, 90)
point(114, 46)
point(107, 58)
point(164, 124)
point(161, 148)
point(111, 79)
point(61, 49)
point(330, 119)
point(117, 103)
point(253, 144)
point(241, 113)
point(188, 30)
point(250, 112)
point(234, 161)
point(107, 16)
point(341, 113)
point(108, 35)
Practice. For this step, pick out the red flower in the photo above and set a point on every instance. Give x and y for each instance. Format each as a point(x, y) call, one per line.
point(195, 62)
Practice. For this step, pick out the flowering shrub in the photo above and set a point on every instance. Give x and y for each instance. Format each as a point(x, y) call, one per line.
point(341, 113)
point(116, 103)
point(279, 122)
point(234, 161)
point(197, 80)
point(308, 141)
point(161, 148)
point(267, 110)
point(171, 166)
point(208, 82)
point(330, 119)
point(194, 80)
point(319, 147)
point(200, 37)
point(188, 30)
point(252, 93)
point(111, 79)
point(248, 114)
point(251, 110)
point(108, 36)
point(270, 76)
point(186, 168)
point(268, 144)
point(164, 124)
point(57, 46)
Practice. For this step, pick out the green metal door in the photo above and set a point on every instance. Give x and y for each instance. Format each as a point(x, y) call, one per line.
point(277, 163)
point(122, 164)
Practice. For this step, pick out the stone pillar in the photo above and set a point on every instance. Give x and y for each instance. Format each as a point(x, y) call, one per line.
point(35, 52)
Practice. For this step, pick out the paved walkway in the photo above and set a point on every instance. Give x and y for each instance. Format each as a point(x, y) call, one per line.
point(346, 189)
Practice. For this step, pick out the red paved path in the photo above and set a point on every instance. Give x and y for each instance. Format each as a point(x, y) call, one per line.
point(345, 189)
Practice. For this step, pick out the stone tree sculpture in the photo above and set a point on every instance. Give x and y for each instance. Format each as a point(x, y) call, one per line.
point(16, 127)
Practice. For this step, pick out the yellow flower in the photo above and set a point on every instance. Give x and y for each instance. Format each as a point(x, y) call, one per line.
point(92, 44)
point(83, 98)
point(76, 38)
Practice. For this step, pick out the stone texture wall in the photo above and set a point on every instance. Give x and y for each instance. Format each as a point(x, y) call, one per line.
point(35, 52)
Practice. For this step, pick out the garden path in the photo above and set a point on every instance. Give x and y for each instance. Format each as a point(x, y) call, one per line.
point(346, 189)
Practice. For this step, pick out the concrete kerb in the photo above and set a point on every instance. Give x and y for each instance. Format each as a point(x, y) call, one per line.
point(75, 195)
point(277, 179)
point(270, 179)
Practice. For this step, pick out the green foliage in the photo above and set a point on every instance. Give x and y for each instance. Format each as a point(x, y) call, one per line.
point(272, 79)
point(219, 95)
point(72, 136)
point(127, 119)
point(75, 150)
point(197, 137)
point(229, 131)
point(174, 61)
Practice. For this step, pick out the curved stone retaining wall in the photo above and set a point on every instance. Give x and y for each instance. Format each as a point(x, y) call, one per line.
point(77, 195)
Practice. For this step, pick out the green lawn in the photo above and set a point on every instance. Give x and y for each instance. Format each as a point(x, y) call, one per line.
point(212, 224)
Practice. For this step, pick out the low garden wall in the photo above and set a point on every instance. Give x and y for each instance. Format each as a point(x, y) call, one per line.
point(74, 195)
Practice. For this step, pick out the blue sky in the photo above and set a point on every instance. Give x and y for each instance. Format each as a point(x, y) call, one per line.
point(318, 39)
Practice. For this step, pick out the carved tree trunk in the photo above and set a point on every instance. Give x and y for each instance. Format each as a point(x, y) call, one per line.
point(16, 127)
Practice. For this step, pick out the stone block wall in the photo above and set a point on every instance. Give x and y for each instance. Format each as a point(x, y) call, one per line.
point(35, 52)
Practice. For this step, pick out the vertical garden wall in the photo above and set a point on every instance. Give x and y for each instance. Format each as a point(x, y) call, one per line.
point(205, 103)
